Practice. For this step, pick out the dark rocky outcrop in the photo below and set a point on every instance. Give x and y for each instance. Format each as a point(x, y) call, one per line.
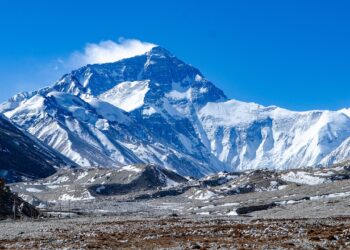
point(22, 156)
point(150, 177)
point(9, 201)
point(250, 209)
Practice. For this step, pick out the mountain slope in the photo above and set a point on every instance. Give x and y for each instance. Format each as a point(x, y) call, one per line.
point(22, 208)
point(248, 135)
point(22, 156)
point(81, 184)
point(154, 108)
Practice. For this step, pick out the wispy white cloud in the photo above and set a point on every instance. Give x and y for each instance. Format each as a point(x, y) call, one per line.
point(108, 51)
point(37, 74)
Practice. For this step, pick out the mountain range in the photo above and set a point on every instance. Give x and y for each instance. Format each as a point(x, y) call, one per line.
point(155, 108)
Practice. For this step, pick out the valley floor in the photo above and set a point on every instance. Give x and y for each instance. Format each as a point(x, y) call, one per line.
point(303, 209)
point(176, 233)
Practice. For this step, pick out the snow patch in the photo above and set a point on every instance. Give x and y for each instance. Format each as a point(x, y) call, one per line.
point(203, 213)
point(127, 95)
point(232, 213)
point(301, 177)
point(203, 195)
point(82, 175)
point(34, 190)
point(328, 196)
point(229, 204)
point(149, 111)
point(60, 179)
point(84, 196)
point(130, 168)
point(198, 78)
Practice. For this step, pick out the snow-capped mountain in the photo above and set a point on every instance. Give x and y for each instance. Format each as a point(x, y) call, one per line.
point(154, 108)
point(24, 157)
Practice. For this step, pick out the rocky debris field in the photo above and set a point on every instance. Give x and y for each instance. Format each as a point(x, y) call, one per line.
point(176, 233)
point(154, 191)
point(296, 209)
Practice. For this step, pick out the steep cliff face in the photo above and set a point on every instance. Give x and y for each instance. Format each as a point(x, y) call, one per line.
point(24, 157)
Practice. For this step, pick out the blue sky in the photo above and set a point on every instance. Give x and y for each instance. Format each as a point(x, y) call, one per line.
point(293, 54)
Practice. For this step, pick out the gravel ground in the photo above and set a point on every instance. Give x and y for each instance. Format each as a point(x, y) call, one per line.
point(295, 217)
point(176, 233)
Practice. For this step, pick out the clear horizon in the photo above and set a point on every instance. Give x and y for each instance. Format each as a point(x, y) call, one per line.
point(290, 54)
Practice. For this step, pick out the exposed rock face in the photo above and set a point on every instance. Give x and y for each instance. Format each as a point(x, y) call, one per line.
point(86, 184)
point(149, 177)
point(11, 205)
point(24, 157)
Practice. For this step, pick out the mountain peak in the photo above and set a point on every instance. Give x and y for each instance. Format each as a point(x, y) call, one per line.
point(162, 71)
point(174, 117)
point(159, 51)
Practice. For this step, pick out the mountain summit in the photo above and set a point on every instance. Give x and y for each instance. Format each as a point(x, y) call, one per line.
point(154, 108)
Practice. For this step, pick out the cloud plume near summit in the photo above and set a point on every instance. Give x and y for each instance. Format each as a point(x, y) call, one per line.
point(108, 51)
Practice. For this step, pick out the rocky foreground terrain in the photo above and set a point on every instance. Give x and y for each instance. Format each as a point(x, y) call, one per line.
point(177, 233)
point(144, 206)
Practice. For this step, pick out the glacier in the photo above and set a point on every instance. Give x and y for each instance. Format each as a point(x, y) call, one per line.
point(155, 108)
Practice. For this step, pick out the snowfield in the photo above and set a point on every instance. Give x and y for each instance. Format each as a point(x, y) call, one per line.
point(127, 95)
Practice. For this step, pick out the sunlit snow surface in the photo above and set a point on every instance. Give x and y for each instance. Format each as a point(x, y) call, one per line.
point(202, 195)
point(130, 168)
point(85, 196)
point(127, 95)
point(249, 135)
point(301, 177)
point(155, 108)
point(34, 190)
